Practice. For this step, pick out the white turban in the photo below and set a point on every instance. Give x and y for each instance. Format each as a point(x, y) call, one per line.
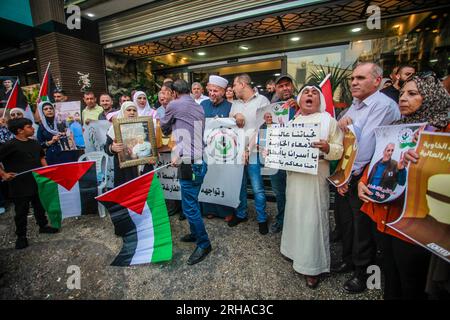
point(218, 81)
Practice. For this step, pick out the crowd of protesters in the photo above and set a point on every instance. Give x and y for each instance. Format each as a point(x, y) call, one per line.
point(302, 200)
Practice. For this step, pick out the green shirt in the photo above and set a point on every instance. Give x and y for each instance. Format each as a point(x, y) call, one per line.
point(91, 114)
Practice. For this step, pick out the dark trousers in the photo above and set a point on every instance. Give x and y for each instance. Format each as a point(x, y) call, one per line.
point(358, 230)
point(21, 207)
point(405, 267)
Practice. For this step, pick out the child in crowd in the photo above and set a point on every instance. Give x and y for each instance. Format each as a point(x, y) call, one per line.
point(18, 155)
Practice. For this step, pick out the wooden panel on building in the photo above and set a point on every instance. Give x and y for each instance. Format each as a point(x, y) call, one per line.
point(68, 56)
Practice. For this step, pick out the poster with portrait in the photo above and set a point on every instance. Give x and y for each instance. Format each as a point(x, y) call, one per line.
point(276, 113)
point(344, 167)
point(95, 139)
point(138, 138)
point(164, 143)
point(426, 213)
point(387, 173)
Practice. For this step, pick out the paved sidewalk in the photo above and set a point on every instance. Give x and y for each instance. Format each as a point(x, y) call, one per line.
point(242, 265)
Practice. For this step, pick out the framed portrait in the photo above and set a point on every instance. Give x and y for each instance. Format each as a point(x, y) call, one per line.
point(138, 138)
point(163, 143)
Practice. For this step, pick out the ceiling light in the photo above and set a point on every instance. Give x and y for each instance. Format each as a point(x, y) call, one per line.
point(396, 26)
point(295, 38)
point(184, 58)
point(435, 31)
point(243, 47)
point(201, 53)
point(259, 86)
point(418, 30)
point(433, 60)
point(31, 72)
point(277, 74)
point(14, 64)
point(90, 15)
point(359, 41)
point(434, 16)
point(356, 29)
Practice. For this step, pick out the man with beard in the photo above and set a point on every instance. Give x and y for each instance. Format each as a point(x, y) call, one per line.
point(217, 106)
point(403, 73)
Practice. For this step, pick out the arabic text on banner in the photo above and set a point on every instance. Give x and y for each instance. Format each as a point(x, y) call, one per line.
point(290, 147)
point(387, 174)
point(426, 214)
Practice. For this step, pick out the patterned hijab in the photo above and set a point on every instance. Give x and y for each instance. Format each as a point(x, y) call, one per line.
point(435, 105)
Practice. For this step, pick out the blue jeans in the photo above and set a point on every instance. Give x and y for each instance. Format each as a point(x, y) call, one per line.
point(190, 190)
point(278, 182)
point(254, 173)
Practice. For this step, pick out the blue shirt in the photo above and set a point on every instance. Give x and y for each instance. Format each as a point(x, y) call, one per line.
point(222, 110)
point(77, 131)
point(376, 110)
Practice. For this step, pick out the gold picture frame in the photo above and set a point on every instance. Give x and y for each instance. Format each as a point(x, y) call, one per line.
point(138, 137)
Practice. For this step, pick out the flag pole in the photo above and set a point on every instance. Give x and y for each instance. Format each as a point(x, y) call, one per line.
point(325, 80)
point(43, 79)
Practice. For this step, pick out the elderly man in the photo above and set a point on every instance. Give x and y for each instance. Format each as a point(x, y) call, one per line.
point(284, 91)
point(185, 119)
point(106, 102)
point(244, 111)
point(402, 74)
point(92, 109)
point(217, 106)
point(197, 92)
point(369, 110)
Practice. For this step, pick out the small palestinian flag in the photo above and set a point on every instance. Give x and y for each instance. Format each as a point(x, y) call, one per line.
point(67, 190)
point(47, 87)
point(139, 214)
point(328, 95)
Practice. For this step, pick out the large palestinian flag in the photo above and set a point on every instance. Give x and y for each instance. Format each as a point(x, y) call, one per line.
point(67, 190)
point(47, 87)
point(139, 214)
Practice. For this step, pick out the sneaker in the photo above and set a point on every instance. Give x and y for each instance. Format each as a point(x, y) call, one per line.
point(21, 243)
point(48, 229)
point(2, 210)
point(276, 227)
point(263, 227)
point(235, 221)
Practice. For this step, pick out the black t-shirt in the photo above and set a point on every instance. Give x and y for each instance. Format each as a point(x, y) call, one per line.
point(18, 156)
point(392, 93)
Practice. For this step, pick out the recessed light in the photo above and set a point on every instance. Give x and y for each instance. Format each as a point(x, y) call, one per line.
point(295, 38)
point(172, 54)
point(356, 29)
point(359, 41)
point(243, 47)
point(435, 31)
point(396, 26)
point(418, 30)
point(184, 58)
point(90, 15)
point(277, 74)
point(434, 16)
point(201, 53)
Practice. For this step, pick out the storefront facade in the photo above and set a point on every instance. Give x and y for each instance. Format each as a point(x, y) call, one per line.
point(192, 39)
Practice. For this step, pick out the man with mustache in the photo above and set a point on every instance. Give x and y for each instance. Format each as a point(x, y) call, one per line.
point(403, 73)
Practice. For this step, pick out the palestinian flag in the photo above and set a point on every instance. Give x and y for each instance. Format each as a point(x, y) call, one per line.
point(47, 87)
point(67, 190)
point(328, 94)
point(139, 214)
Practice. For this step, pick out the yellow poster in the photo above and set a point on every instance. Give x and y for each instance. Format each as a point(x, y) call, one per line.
point(426, 214)
point(344, 168)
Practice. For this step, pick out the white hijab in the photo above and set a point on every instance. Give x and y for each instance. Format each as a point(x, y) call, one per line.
point(120, 115)
point(48, 122)
point(325, 116)
point(147, 110)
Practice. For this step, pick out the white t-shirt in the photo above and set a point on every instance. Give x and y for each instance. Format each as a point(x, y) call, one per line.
point(248, 109)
